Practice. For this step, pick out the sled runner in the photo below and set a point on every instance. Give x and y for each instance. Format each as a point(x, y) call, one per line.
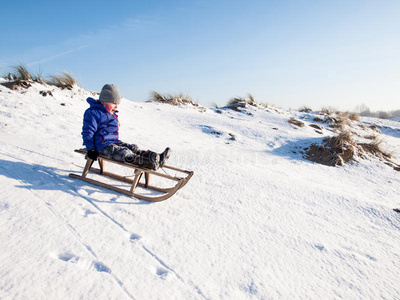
point(165, 193)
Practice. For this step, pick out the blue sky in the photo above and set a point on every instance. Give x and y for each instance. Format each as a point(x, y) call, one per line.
point(288, 53)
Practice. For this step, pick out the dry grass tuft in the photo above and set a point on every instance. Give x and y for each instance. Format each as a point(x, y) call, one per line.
point(21, 77)
point(374, 148)
point(39, 79)
point(328, 111)
point(305, 109)
point(296, 122)
point(63, 81)
point(341, 121)
point(21, 72)
point(237, 103)
point(354, 117)
point(318, 119)
point(342, 148)
point(336, 150)
point(173, 99)
point(375, 128)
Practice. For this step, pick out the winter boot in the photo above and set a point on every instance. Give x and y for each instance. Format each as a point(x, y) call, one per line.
point(145, 159)
point(164, 156)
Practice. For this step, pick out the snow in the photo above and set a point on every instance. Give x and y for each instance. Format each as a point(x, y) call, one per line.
point(256, 221)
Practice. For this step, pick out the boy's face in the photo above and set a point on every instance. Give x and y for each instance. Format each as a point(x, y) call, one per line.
point(112, 107)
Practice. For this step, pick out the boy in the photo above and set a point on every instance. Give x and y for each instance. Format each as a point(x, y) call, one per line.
point(100, 133)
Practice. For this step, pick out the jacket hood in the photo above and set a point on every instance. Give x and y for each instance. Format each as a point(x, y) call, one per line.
point(92, 101)
point(98, 105)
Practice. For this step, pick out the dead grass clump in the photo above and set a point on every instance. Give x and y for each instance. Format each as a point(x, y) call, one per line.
point(375, 128)
point(336, 150)
point(328, 111)
point(315, 126)
point(342, 121)
point(318, 119)
point(329, 120)
point(342, 148)
point(354, 117)
point(305, 109)
point(21, 72)
point(296, 122)
point(371, 137)
point(63, 81)
point(237, 103)
point(19, 78)
point(173, 99)
point(39, 79)
point(374, 148)
point(14, 85)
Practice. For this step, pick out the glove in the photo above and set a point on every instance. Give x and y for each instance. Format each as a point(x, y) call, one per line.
point(93, 154)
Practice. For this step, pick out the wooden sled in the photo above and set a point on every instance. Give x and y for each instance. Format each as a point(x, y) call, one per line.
point(166, 192)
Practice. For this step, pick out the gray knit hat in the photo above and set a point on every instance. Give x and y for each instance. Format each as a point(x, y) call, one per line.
point(110, 93)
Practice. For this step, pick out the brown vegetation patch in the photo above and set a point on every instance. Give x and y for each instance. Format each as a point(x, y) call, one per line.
point(13, 85)
point(238, 103)
point(63, 81)
point(315, 126)
point(375, 128)
point(296, 122)
point(375, 149)
point(45, 93)
point(318, 119)
point(342, 148)
point(173, 99)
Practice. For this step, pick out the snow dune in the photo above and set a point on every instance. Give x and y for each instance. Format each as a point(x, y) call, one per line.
point(256, 221)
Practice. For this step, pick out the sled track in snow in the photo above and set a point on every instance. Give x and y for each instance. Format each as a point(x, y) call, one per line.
point(72, 187)
point(98, 265)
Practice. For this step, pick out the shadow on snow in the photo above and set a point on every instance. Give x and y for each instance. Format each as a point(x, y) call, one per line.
point(38, 177)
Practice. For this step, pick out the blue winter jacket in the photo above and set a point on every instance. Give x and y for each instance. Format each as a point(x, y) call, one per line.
point(100, 127)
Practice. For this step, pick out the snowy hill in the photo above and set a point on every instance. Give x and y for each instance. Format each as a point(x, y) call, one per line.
point(256, 221)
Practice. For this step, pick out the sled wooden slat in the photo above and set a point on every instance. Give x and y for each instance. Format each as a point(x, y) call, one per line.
point(138, 172)
point(129, 180)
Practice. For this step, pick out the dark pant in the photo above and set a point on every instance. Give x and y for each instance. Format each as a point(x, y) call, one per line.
point(131, 153)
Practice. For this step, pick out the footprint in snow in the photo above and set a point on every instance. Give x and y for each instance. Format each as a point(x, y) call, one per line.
point(162, 273)
point(134, 237)
point(84, 263)
point(88, 212)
